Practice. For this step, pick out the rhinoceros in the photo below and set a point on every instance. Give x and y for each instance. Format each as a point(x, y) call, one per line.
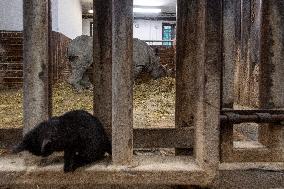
point(80, 54)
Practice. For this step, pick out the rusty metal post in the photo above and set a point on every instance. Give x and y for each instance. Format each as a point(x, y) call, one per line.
point(35, 62)
point(102, 37)
point(122, 82)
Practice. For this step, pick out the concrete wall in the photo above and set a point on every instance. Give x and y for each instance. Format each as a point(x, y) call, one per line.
point(66, 16)
point(142, 29)
point(70, 18)
point(11, 15)
point(147, 29)
point(54, 11)
point(86, 26)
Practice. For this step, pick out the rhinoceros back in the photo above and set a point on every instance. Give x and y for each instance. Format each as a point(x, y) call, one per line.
point(81, 46)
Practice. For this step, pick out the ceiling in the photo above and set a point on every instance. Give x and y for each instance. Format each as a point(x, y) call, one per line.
point(167, 6)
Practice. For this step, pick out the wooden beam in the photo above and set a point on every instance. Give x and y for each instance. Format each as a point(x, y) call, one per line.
point(102, 56)
point(35, 65)
point(186, 66)
point(198, 76)
point(272, 72)
point(122, 81)
point(163, 138)
point(149, 170)
point(143, 138)
point(209, 73)
point(146, 170)
point(231, 15)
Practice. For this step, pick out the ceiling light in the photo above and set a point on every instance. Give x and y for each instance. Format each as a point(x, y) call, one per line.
point(144, 10)
point(90, 11)
point(149, 3)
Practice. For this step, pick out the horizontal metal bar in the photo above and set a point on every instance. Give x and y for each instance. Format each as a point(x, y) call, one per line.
point(252, 111)
point(240, 116)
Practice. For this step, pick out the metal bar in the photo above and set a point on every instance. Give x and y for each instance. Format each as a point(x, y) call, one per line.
point(245, 112)
point(102, 67)
point(236, 118)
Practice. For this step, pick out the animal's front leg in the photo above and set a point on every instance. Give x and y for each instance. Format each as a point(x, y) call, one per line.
point(69, 160)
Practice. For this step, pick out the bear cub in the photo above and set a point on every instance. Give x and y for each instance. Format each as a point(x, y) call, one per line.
point(79, 134)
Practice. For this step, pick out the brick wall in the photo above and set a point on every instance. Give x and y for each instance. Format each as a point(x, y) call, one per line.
point(11, 58)
point(167, 55)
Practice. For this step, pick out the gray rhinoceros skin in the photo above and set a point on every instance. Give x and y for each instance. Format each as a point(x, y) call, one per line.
point(80, 54)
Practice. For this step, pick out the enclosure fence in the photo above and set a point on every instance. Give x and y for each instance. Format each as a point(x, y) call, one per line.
point(205, 63)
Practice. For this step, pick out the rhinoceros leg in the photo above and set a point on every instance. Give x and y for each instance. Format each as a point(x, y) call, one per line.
point(76, 77)
point(86, 81)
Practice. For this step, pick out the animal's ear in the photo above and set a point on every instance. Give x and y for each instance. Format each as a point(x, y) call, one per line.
point(18, 148)
point(44, 145)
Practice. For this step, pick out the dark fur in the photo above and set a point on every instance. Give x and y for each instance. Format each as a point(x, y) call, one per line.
point(79, 134)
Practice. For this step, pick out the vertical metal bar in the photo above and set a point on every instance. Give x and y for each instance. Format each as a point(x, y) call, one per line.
point(102, 36)
point(122, 82)
point(35, 55)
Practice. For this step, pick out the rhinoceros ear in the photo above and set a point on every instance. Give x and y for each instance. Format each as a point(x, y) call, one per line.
point(19, 148)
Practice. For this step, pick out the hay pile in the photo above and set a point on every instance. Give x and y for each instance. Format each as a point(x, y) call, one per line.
point(11, 106)
point(153, 103)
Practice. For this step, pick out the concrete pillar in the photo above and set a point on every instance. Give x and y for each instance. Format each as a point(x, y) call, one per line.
point(102, 37)
point(122, 81)
point(35, 62)
point(272, 73)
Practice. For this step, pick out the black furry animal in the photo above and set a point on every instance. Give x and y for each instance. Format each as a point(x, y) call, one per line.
point(79, 134)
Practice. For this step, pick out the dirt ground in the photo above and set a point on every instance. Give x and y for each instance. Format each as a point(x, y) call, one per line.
point(154, 102)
